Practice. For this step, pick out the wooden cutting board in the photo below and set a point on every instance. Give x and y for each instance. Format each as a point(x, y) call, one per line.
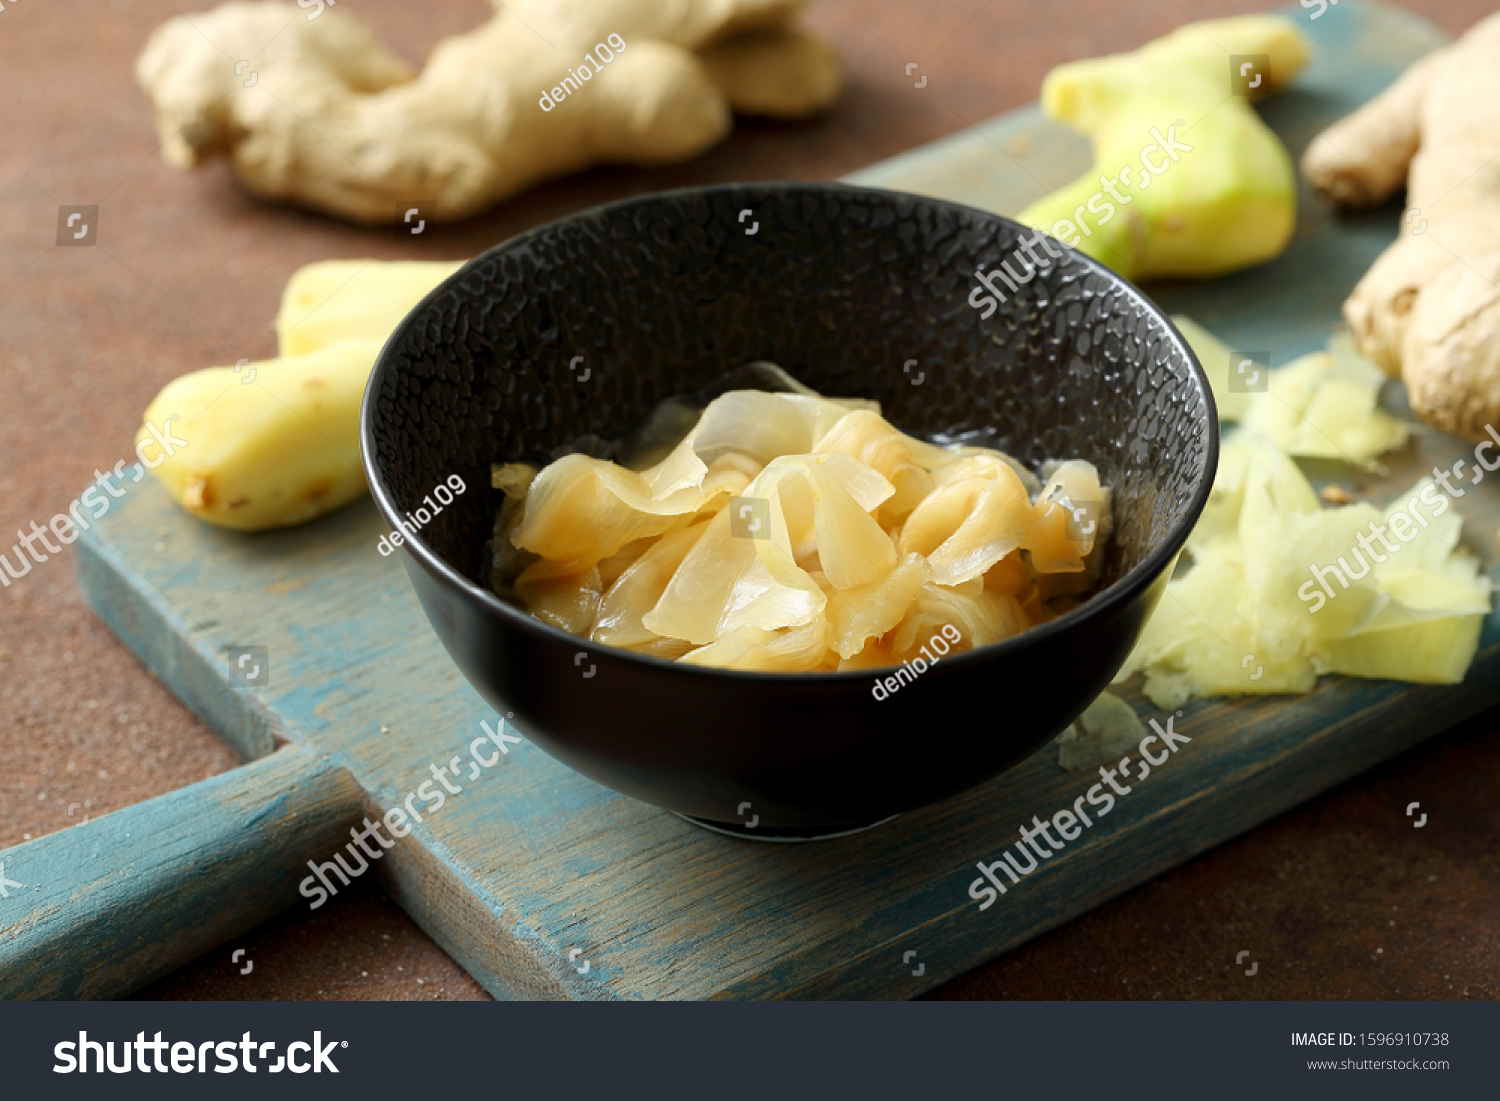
point(543, 884)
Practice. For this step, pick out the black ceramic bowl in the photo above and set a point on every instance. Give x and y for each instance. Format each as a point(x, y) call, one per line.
point(857, 293)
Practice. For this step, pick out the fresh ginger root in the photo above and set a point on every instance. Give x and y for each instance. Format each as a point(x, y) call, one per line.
point(333, 121)
point(1206, 187)
point(1428, 310)
point(276, 443)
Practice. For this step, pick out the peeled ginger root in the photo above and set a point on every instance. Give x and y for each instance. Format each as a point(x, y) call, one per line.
point(791, 533)
point(276, 442)
point(1225, 197)
point(335, 300)
point(279, 451)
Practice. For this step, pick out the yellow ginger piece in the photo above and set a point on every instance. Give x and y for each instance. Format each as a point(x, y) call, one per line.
point(276, 442)
point(1187, 180)
point(352, 299)
point(270, 444)
point(1324, 406)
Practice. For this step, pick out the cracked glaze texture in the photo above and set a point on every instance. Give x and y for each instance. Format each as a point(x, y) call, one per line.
point(843, 287)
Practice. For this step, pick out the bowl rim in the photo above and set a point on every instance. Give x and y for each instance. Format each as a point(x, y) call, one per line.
point(1124, 589)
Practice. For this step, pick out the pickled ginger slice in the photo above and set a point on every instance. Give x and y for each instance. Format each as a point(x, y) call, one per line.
point(1034, 604)
point(821, 414)
point(681, 469)
point(616, 564)
point(916, 632)
point(728, 648)
point(722, 584)
point(744, 465)
point(998, 522)
point(939, 515)
point(912, 484)
point(1051, 539)
point(852, 548)
point(875, 655)
point(1009, 575)
point(566, 600)
point(981, 615)
point(866, 436)
point(937, 460)
point(1075, 485)
point(581, 510)
point(865, 612)
point(758, 425)
point(984, 466)
point(668, 649)
point(795, 650)
point(749, 423)
point(640, 587)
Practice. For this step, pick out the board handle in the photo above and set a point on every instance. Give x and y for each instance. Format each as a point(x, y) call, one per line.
point(100, 909)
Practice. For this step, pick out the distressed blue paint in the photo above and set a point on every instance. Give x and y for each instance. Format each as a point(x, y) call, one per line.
point(304, 702)
point(130, 895)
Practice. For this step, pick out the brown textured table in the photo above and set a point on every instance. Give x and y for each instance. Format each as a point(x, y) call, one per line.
point(1341, 898)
